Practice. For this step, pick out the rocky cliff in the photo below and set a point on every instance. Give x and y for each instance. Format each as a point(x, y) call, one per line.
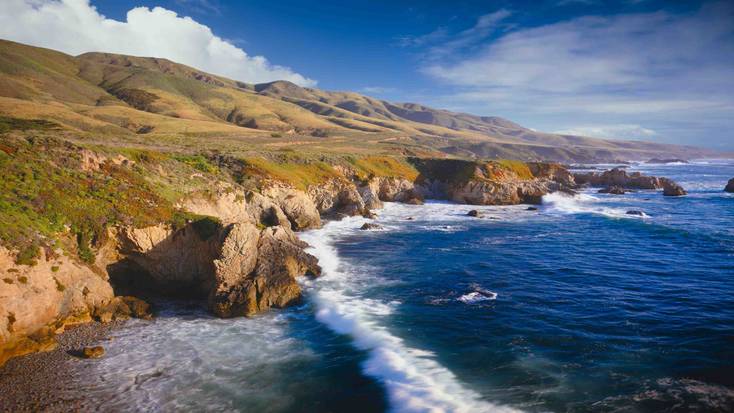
point(238, 250)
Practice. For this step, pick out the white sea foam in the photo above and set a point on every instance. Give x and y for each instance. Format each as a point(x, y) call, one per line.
point(583, 204)
point(476, 297)
point(415, 381)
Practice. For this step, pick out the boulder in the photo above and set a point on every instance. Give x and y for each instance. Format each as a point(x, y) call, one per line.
point(474, 213)
point(122, 308)
point(369, 214)
point(614, 190)
point(730, 186)
point(370, 226)
point(671, 188)
point(531, 208)
point(93, 352)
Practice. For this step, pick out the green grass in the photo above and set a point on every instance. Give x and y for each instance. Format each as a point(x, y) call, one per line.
point(198, 162)
point(45, 193)
point(299, 173)
point(8, 124)
point(519, 168)
point(383, 166)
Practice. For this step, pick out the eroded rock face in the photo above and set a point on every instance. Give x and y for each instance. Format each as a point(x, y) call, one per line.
point(37, 301)
point(297, 206)
point(730, 186)
point(500, 193)
point(618, 177)
point(337, 197)
point(257, 270)
point(163, 260)
point(553, 171)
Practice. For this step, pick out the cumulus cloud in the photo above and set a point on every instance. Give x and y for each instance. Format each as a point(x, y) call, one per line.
point(75, 27)
point(610, 131)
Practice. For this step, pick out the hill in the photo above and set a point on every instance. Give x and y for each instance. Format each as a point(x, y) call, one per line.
point(103, 98)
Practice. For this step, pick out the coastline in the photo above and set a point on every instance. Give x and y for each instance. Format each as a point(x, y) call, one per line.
point(49, 381)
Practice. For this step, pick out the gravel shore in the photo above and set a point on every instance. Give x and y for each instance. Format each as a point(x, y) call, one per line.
point(52, 381)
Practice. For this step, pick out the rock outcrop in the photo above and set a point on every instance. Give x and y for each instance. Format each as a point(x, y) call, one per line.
point(36, 302)
point(296, 205)
point(730, 186)
point(257, 270)
point(614, 190)
point(619, 179)
point(671, 188)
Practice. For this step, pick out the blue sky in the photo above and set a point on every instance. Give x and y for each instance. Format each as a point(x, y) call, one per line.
point(635, 69)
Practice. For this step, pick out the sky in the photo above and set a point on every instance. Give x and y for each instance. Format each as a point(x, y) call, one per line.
point(629, 69)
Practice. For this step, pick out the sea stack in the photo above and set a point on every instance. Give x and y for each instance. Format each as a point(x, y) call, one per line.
point(671, 188)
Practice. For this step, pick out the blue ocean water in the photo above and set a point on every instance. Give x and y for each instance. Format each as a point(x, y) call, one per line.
point(577, 306)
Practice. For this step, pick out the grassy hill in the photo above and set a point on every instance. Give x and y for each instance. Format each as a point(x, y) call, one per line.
point(103, 98)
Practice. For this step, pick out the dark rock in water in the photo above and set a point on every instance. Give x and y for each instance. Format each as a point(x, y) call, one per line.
point(94, 352)
point(369, 214)
point(730, 186)
point(369, 226)
point(531, 208)
point(614, 190)
point(636, 212)
point(409, 219)
point(670, 188)
point(474, 213)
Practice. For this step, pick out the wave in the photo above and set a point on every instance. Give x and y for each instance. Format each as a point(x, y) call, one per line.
point(477, 295)
point(414, 380)
point(584, 204)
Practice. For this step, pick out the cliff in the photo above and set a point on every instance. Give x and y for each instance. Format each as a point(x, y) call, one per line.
point(82, 227)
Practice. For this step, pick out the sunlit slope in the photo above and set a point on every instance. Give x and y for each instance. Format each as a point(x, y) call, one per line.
point(115, 95)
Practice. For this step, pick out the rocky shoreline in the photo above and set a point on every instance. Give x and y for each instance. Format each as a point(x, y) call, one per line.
point(51, 381)
point(242, 255)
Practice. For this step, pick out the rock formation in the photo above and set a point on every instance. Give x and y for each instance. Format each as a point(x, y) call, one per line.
point(614, 190)
point(239, 252)
point(671, 188)
point(618, 179)
point(730, 186)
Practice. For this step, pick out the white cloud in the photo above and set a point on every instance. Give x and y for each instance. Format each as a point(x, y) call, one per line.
point(632, 62)
point(75, 27)
point(378, 89)
point(442, 43)
point(610, 131)
point(670, 71)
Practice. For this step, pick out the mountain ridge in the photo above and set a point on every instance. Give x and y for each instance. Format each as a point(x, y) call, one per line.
point(111, 94)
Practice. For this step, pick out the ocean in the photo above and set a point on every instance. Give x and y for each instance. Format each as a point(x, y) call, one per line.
point(576, 306)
